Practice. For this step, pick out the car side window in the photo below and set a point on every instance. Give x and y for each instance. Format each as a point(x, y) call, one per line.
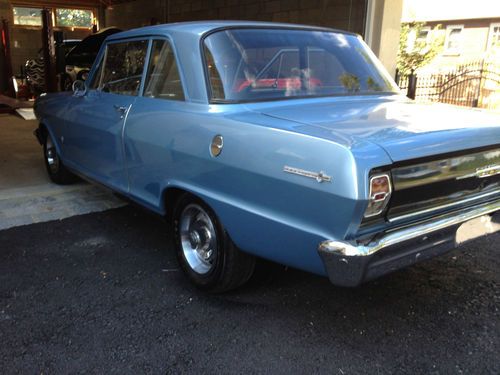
point(163, 80)
point(123, 67)
point(216, 84)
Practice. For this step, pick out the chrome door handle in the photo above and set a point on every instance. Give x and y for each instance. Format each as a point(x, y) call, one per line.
point(121, 110)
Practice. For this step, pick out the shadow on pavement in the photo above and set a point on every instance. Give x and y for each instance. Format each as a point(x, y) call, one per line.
point(103, 293)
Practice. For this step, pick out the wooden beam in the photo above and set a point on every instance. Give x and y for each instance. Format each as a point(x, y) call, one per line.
point(7, 58)
point(85, 4)
point(49, 53)
point(68, 4)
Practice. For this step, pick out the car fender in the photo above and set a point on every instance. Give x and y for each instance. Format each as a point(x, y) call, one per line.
point(44, 126)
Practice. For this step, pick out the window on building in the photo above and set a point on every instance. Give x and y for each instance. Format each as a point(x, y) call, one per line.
point(453, 41)
point(423, 35)
point(417, 39)
point(27, 16)
point(74, 17)
point(494, 37)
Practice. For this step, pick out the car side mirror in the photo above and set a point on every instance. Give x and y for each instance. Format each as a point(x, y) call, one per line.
point(79, 88)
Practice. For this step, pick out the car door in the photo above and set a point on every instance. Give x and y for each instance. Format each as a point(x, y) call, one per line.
point(95, 120)
point(159, 119)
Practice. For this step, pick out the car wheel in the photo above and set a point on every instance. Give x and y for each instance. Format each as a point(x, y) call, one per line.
point(205, 252)
point(55, 167)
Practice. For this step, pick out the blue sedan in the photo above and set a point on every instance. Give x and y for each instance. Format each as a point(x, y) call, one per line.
point(285, 142)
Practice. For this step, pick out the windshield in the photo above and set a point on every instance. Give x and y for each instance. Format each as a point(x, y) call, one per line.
point(260, 64)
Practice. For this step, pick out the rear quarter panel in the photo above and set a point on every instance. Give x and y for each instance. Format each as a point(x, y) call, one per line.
point(267, 212)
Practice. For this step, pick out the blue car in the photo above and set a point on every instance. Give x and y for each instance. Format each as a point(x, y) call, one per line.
point(284, 142)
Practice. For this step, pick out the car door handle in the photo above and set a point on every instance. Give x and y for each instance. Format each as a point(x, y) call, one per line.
point(121, 110)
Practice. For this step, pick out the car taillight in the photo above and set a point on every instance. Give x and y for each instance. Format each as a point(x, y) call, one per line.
point(380, 193)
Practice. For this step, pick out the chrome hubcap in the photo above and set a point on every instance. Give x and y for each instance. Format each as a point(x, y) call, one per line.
point(198, 238)
point(51, 156)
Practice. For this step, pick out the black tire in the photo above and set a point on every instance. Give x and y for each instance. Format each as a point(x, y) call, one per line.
point(55, 167)
point(227, 267)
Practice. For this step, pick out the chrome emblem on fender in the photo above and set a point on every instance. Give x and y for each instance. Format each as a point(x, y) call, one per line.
point(320, 176)
point(490, 170)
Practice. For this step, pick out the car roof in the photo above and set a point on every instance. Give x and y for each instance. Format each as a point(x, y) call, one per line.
point(186, 42)
point(202, 27)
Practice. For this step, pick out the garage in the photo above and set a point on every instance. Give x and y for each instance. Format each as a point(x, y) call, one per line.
point(291, 140)
point(27, 196)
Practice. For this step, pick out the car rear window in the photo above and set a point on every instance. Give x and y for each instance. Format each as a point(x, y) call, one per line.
point(260, 64)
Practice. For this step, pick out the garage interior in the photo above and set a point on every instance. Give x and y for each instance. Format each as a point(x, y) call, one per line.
point(30, 27)
point(125, 14)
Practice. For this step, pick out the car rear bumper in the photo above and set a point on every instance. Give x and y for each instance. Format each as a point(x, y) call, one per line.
point(349, 264)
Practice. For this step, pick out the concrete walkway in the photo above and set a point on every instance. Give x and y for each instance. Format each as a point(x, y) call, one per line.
point(26, 194)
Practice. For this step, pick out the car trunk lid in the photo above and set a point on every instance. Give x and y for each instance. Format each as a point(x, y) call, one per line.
point(405, 130)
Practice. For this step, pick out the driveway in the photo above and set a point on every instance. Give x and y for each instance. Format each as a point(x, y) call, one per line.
point(101, 293)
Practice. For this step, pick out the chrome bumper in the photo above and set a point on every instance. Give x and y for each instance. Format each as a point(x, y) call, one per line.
point(349, 264)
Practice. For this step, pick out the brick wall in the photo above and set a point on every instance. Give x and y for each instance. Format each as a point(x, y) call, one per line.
point(137, 13)
point(342, 14)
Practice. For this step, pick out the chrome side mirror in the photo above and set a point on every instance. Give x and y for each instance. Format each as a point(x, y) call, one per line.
point(79, 88)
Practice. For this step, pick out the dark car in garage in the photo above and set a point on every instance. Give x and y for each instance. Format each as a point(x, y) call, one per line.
point(78, 59)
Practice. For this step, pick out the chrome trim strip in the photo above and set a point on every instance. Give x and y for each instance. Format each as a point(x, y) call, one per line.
point(444, 206)
point(478, 165)
point(320, 177)
point(408, 233)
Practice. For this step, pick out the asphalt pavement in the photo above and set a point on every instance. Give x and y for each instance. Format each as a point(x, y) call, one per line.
point(102, 293)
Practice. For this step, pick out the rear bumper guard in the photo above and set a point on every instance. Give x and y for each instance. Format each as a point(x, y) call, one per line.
point(349, 264)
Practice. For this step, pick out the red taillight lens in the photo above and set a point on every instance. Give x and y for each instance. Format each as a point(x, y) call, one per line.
point(380, 193)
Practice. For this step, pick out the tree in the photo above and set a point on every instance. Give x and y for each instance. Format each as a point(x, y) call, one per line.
point(74, 17)
point(415, 50)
